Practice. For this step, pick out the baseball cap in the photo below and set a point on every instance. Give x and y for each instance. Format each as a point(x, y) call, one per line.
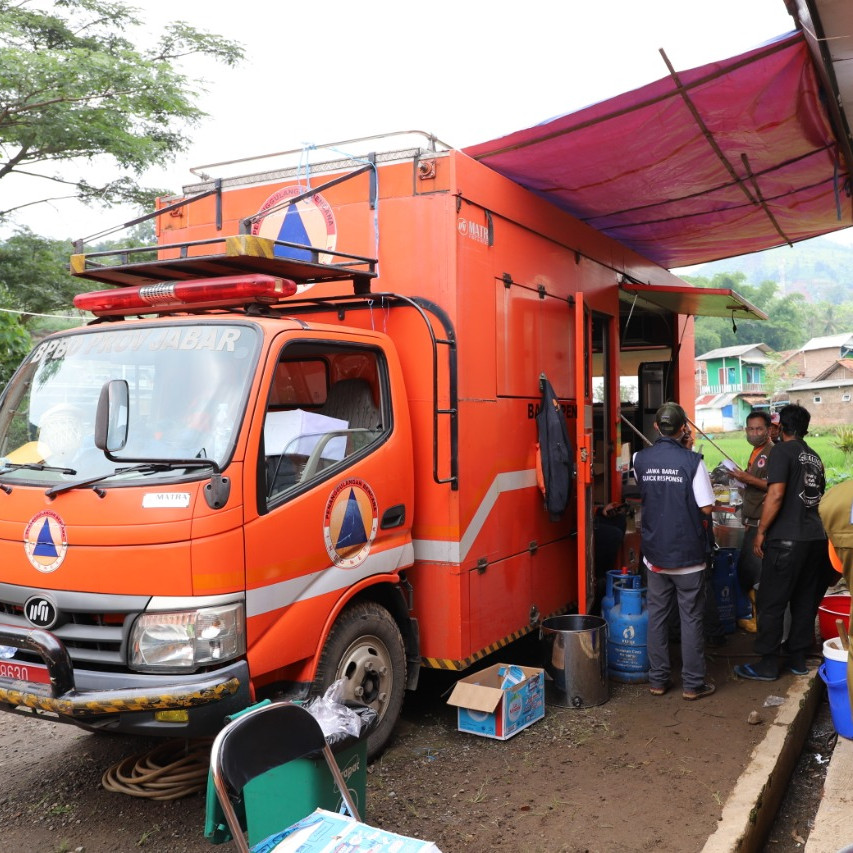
point(774, 418)
point(670, 418)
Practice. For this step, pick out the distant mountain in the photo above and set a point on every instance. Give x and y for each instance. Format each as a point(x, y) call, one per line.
point(821, 269)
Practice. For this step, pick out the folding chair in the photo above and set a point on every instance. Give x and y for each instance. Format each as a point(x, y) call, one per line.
point(261, 740)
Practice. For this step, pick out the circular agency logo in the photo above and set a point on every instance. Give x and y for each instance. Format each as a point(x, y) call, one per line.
point(307, 222)
point(45, 541)
point(350, 523)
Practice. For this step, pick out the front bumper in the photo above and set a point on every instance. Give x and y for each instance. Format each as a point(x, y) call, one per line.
point(123, 702)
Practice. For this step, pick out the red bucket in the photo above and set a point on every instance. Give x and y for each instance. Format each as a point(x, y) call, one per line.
point(831, 608)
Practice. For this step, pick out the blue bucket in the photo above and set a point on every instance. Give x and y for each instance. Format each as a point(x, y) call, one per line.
point(835, 659)
point(839, 702)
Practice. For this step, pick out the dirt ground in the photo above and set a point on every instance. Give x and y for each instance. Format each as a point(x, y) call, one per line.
point(635, 773)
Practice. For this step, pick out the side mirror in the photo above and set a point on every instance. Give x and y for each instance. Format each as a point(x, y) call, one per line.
point(111, 418)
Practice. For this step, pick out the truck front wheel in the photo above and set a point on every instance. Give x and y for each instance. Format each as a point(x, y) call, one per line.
point(365, 647)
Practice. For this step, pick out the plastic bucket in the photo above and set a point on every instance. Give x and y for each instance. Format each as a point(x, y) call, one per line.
point(835, 659)
point(831, 608)
point(839, 703)
point(575, 650)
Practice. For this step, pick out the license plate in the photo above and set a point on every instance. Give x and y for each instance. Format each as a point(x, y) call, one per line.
point(24, 672)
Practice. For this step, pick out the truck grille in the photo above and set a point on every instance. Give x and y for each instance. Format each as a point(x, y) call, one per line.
point(96, 638)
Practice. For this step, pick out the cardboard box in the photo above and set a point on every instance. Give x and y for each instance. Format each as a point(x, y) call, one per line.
point(489, 706)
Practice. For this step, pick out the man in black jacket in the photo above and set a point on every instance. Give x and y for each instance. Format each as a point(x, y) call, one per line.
point(677, 499)
point(792, 545)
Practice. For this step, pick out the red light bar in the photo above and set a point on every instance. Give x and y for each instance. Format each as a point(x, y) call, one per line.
point(232, 290)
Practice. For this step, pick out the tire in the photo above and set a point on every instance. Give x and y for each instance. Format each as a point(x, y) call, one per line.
point(365, 647)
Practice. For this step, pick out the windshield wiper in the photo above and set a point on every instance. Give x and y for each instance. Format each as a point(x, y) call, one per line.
point(141, 468)
point(34, 466)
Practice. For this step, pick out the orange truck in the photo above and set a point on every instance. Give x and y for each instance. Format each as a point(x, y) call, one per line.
point(297, 443)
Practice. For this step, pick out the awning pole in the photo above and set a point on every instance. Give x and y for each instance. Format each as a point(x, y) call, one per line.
point(705, 434)
point(625, 420)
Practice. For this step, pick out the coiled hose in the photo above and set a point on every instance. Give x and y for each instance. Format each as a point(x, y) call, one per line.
point(174, 769)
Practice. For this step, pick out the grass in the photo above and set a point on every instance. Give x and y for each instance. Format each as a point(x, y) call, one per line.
point(838, 464)
point(148, 835)
point(481, 794)
point(844, 440)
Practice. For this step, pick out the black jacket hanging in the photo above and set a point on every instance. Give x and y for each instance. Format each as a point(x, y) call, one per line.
point(555, 452)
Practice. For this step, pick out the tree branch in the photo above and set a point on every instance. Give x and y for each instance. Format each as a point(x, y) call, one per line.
point(93, 96)
point(6, 212)
point(13, 161)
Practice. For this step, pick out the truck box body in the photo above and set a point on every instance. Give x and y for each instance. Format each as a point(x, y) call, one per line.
point(431, 511)
point(454, 239)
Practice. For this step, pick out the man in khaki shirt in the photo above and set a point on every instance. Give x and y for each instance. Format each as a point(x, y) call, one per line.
point(836, 513)
point(754, 479)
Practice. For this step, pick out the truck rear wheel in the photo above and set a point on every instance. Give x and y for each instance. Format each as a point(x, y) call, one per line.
point(366, 648)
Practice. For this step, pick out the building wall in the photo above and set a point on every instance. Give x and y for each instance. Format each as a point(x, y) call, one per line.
point(833, 409)
point(816, 361)
point(711, 383)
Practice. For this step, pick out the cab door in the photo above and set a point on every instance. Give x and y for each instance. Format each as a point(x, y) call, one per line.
point(333, 494)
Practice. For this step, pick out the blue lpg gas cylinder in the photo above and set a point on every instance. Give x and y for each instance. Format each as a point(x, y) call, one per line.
point(609, 598)
point(627, 637)
point(724, 583)
point(615, 582)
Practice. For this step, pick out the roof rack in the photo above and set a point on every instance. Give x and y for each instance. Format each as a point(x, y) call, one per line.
point(219, 256)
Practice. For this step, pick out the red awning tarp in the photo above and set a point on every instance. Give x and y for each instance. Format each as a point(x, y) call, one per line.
point(734, 157)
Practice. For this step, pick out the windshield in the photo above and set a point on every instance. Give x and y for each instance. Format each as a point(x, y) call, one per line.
point(188, 385)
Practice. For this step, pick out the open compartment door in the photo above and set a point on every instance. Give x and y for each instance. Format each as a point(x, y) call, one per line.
point(583, 459)
point(696, 301)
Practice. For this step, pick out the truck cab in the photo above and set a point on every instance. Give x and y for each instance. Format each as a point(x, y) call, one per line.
point(194, 505)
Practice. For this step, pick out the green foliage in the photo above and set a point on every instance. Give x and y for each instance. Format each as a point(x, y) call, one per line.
point(778, 377)
point(14, 345)
point(844, 440)
point(812, 303)
point(75, 86)
point(34, 277)
point(783, 330)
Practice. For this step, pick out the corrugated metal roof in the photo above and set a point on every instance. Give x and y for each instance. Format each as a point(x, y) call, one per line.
point(737, 351)
point(717, 401)
point(828, 342)
point(817, 386)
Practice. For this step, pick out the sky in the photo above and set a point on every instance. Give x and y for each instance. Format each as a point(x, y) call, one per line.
point(329, 70)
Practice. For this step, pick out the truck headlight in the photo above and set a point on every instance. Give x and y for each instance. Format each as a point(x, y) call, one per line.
point(185, 640)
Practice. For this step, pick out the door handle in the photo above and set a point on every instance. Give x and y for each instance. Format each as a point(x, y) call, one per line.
point(394, 516)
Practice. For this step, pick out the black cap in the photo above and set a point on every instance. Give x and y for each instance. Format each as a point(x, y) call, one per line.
point(670, 418)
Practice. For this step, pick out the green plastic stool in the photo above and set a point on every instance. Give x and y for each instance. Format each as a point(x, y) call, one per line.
point(309, 786)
